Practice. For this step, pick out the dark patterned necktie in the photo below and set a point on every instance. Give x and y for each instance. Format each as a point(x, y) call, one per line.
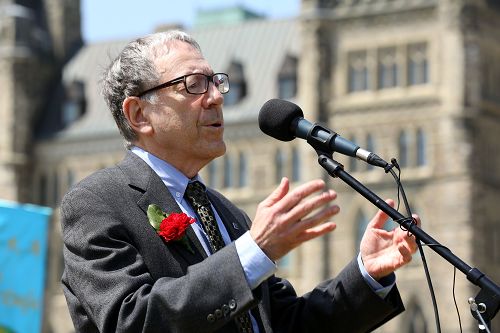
point(198, 199)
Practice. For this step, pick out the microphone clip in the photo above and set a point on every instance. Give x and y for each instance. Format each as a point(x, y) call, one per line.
point(320, 137)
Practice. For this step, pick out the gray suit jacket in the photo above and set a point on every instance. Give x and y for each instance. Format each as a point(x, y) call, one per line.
point(120, 276)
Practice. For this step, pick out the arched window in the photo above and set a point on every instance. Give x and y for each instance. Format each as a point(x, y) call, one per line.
point(387, 68)
point(228, 171)
point(287, 78)
point(403, 149)
point(212, 174)
point(357, 71)
point(243, 170)
point(74, 103)
point(421, 148)
point(24, 23)
point(418, 68)
point(237, 84)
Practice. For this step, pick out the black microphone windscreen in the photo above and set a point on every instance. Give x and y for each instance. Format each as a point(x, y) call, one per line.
point(276, 117)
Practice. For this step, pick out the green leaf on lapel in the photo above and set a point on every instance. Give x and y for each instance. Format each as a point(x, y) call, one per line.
point(155, 216)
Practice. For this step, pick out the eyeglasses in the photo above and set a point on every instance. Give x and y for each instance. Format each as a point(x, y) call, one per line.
point(196, 84)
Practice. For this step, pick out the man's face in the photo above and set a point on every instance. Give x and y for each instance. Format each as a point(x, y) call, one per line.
point(188, 129)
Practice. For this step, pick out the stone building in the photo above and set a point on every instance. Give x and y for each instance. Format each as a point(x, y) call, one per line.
point(415, 80)
point(412, 79)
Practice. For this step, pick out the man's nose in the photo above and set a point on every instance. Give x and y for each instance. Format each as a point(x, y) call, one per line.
point(214, 96)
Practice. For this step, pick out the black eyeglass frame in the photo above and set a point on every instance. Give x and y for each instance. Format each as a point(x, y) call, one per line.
point(210, 78)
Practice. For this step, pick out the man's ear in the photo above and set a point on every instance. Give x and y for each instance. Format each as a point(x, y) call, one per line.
point(134, 111)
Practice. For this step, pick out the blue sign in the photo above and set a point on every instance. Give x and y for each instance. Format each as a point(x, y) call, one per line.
point(23, 253)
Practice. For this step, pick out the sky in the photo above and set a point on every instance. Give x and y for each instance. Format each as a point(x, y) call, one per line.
point(104, 20)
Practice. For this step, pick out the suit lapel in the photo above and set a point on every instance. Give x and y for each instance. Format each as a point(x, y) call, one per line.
point(152, 190)
point(196, 245)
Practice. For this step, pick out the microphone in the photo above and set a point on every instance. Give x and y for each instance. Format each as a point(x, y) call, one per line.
point(284, 120)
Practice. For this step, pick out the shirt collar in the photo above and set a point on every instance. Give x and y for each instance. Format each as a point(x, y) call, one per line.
point(175, 180)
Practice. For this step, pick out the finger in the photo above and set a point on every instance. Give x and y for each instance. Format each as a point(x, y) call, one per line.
point(317, 231)
point(416, 218)
point(405, 253)
point(318, 218)
point(297, 195)
point(305, 207)
point(407, 239)
point(278, 193)
point(411, 243)
point(380, 217)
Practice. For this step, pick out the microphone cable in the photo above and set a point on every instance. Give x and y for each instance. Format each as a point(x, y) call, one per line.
point(401, 193)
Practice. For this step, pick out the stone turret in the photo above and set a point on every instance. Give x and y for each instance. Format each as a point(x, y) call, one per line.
point(36, 37)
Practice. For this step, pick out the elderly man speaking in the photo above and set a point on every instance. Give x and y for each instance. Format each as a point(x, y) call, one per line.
point(148, 248)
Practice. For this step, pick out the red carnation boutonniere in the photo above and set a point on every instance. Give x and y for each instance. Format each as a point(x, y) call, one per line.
point(171, 227)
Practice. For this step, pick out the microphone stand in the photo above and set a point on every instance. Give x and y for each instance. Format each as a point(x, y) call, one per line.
point(486, 304)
